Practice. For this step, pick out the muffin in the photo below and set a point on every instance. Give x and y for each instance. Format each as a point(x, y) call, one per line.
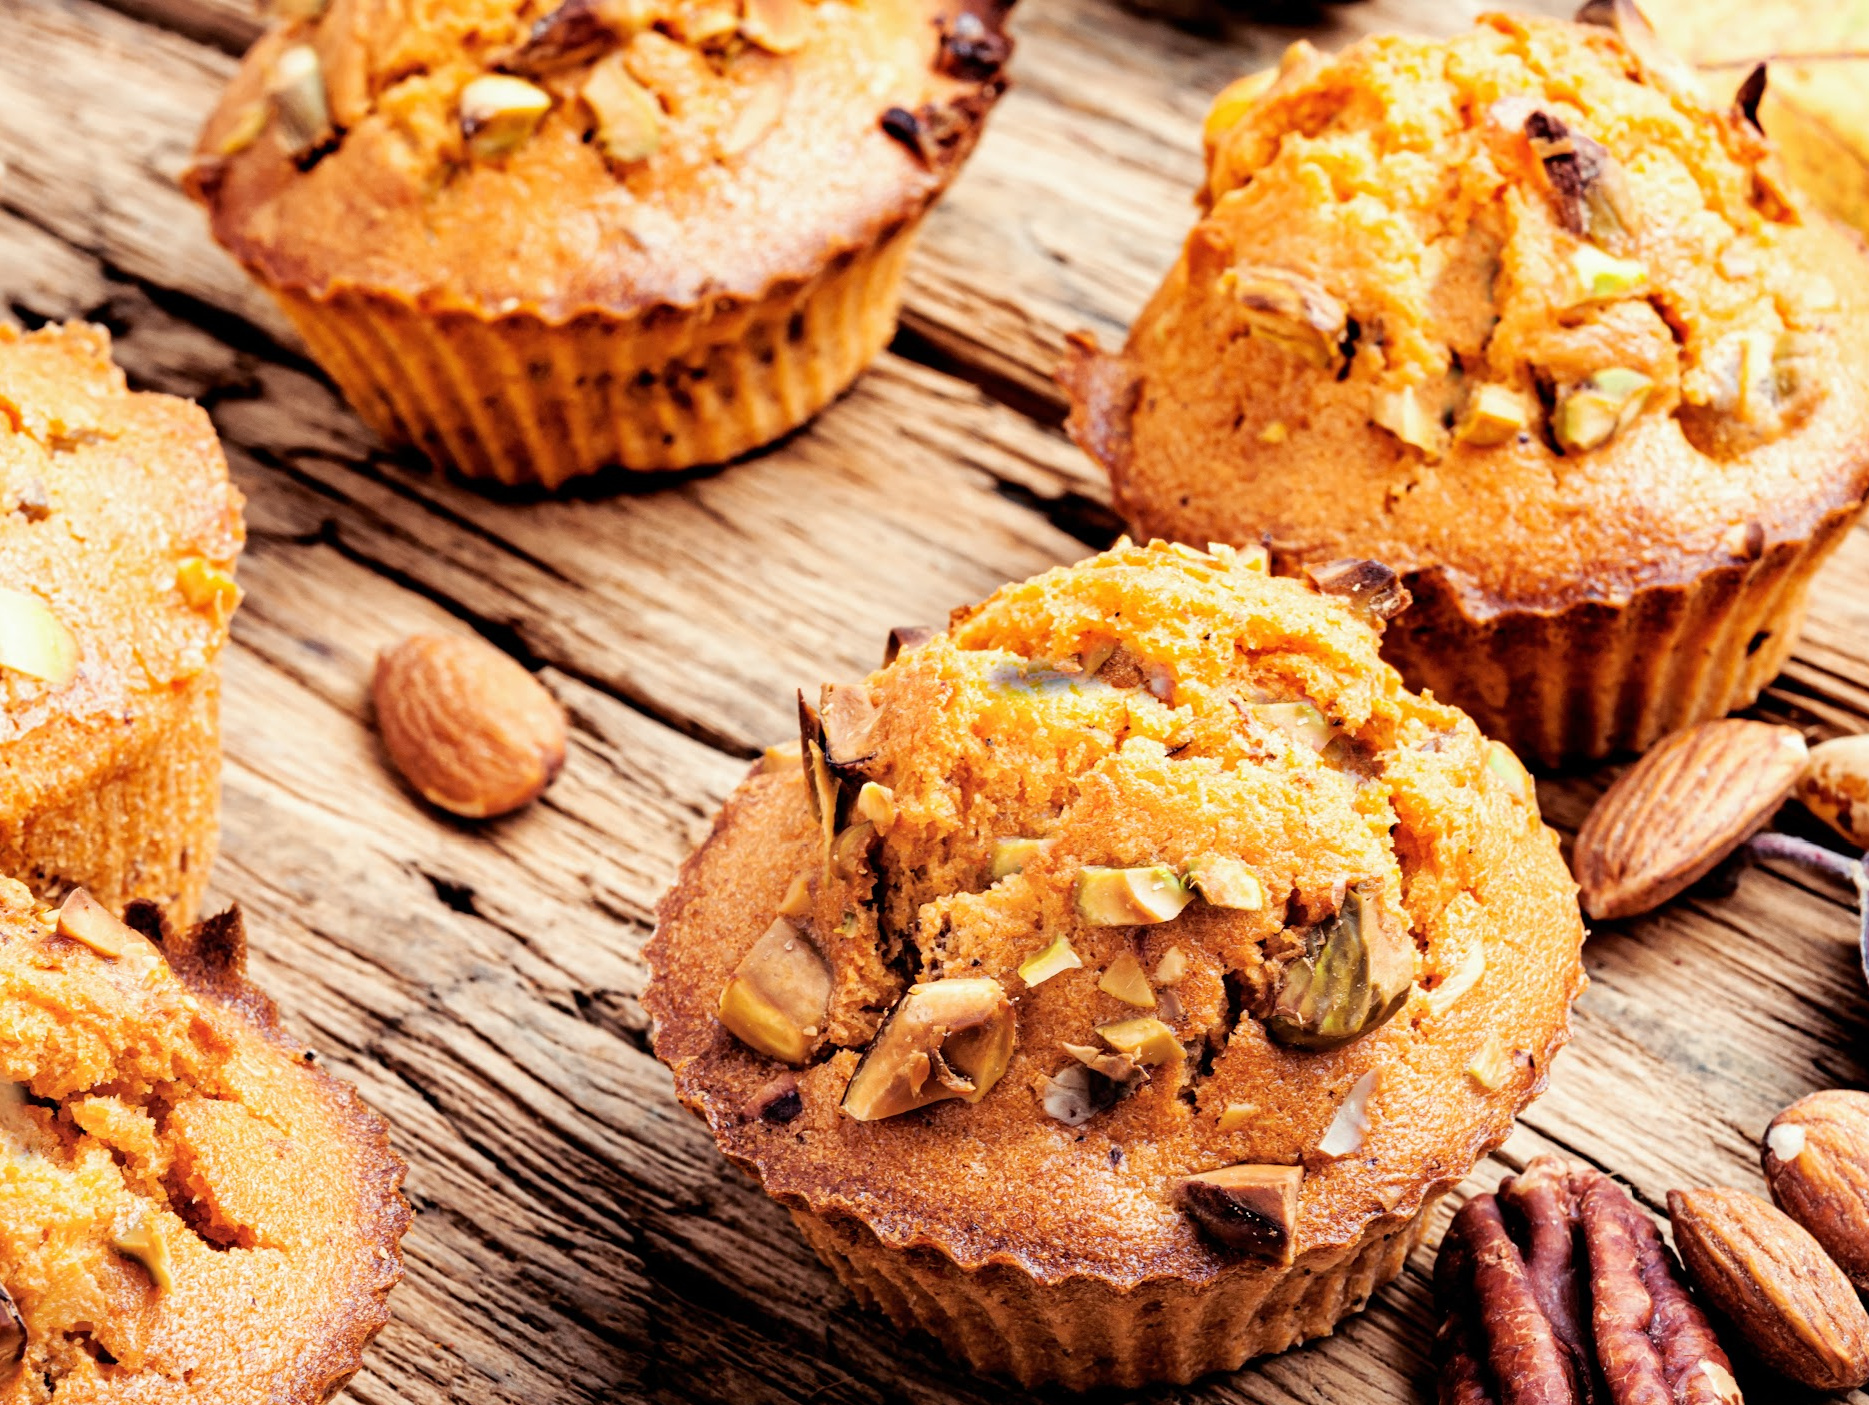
point(187, 1206)
point(1518, 315)
point(118, 534)
point(1111, 985)
point(534, 242)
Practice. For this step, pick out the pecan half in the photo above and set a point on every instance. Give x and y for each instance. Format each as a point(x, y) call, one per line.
point(1559, 1291)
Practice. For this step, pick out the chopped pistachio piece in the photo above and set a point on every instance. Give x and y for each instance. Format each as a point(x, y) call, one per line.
point(1357, 972)
point(1225, 881)
point(1501, 761)
point(1130, 897)
point(797, 899)
point(245, 131)
point(776, 998)
point(1235, 1116)
point(781, 755)
point(1491, 1066)
point(1371, 588)
point(1125, 979)
point(1250, 1208)
point(1590, 414)
point(903, 639)
point(777, 26)
point(1300, 721)
point(707, 24)
point(629, 119)
point(1011, 855)
point(851, 849)
point(877, 804)
point(1493, 415)
point(1350, 1126)
point(944, 1039)
point(1405, 414)
point(1291, 311)
point(499, 112)
point(1078, 1092)
point(296, 86)
point(1464, 977)
point(1054, 960)
point(1253, 558)
point(33, 641)
point(1117, 1066)
point(1602, 277)
point(145, 1242)
point(1172, 967)
point(207, 587)
point(83, 919)
point(1145, 1039)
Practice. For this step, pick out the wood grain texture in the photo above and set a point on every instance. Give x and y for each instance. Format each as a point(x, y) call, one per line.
point(578, 1238)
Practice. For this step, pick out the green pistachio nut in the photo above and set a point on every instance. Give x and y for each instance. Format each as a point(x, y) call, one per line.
point(1130, 897)
point(1356, 973)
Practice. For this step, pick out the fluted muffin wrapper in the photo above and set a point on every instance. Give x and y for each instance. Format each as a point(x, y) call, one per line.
point(1602, 677)
point(1086, 1333)
point(523, 400)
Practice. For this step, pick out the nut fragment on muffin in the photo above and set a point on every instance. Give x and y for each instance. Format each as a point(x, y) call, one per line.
point(1147, 877)
point(1517, 313)
point(119, 532)
point(534, 242)
point(184, 1195)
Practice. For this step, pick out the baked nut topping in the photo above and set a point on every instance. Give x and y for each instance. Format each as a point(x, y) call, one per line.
point(1222, 881)
point(82, 918)
point(1249, 1208)
point(1493, 415)
point(944, 1039)
point(629, 119)
point(297, 89)
point(1125, 897)
point(777, 997)
point(498, 112)
point(1011, 855)
point(33, 641)
point(1356, 972)
point(1291, 311)
point(1054, 960)
point(144, 1242)
point(1591, 413)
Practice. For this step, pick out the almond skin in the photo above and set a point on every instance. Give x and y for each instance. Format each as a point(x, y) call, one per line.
point(1774, 1283)
point(467, 726)
point(1816, 1158)
point(1695, 797)
point(1835, 787)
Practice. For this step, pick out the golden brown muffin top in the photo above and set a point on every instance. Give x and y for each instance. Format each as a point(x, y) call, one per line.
point(669, 151)
point(1515, 305)
point(118, 533)
point(183, 1197)
point(1282, 807)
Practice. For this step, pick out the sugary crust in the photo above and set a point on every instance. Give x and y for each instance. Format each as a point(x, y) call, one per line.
point(106, 498)
point(1209, 434)
point(1483, 879)
point(553, 232)
point(283, 1298)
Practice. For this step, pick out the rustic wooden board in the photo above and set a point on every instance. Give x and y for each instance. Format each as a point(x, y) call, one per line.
point(578, 1237)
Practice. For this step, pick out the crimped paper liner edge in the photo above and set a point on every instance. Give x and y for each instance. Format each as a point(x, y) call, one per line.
point(522, 401)
point(1086, 1334)
point(1599, 678)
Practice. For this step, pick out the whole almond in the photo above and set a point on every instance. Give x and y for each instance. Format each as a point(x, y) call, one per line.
point(466, 725)
point(1835, 787)
point(1695, 797)
point(1773, 1282)
point(1816, 1157)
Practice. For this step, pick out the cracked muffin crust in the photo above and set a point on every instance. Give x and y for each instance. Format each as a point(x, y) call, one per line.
point(1516, 313)
point(118, 536)
point(537, 240)
point(1112, 983)
point(187, 1206)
